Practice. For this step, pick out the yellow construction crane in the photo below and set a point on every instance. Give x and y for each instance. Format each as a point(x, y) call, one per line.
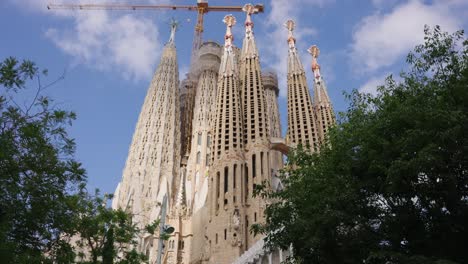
point(201, 8)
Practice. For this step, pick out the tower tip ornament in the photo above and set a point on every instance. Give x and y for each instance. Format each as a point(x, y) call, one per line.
point(315, 52)
point(174, 26)
point(290, 25)
point(249, 9)
point(230, 21)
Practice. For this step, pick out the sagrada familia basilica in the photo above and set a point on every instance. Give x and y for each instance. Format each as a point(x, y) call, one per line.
point(201, 145)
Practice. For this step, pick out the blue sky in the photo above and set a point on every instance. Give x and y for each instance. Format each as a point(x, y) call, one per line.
point(109, 57)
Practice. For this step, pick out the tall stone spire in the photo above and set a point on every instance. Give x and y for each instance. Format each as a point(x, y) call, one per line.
point(228, 122)
point(202, 124)
point(301, 120)
point(225, 238)
point(252, 91)
point(154, 156)
point(322, 105)
point(256, 127)
point(199, 160)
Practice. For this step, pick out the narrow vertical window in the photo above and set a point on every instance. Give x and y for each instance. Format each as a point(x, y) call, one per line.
point(254, 167)
point(199, 137)
point(246, 232)
point(198, 157)
point(234, 176)
point(226, 180)
point(261, 163)
point(217, 184)
point(246, 183)
point(208, 140)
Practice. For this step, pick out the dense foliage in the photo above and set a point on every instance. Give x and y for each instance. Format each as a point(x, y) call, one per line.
point(37, 168)
point(104, 235)
point(391, 185)
point(46, 214)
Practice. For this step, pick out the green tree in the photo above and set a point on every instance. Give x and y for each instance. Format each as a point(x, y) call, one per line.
point(392, 184)
point(46, 214)
point(38, 172)
point(104, 235)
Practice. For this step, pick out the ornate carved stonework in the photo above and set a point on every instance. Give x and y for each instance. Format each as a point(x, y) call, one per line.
point(209, 158)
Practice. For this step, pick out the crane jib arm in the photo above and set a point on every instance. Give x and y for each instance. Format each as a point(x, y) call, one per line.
point(259, 7)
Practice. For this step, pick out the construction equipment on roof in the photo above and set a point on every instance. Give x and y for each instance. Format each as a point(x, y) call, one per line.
point(201, 8)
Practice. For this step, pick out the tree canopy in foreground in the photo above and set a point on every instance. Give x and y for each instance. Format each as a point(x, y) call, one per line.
point(391, 185)
point(46, 214)
point(38, 172)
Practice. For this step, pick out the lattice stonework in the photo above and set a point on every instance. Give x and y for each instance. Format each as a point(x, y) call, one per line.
point(209, 142)
point(323, 108)
point(199, 161)
point(189, 88)
point(301, 121)
point(154, 156)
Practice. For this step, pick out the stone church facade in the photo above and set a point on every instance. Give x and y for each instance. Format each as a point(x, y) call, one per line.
point(203, 145)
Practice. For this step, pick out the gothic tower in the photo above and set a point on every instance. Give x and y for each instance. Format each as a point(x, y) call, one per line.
point(188, 88)
point(301, 120)
point(154, 156)
point(270, 82)
point(256, 126)
point(225, 233)
point(199, 162)
point(323, 108)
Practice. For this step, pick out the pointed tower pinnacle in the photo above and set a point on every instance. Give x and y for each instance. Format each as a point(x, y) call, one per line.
point(174, 26)
point(291, 25)
point(322, 105)
point(228, 129)
point(294, 64)
point(252, 90)
point(228, 65)
point(249, 48)
point(315, 52)
point(152, 168)
point(224, 192)
point(301, 119)
point(256, 126)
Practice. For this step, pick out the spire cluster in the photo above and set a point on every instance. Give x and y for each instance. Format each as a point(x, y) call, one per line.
point(229, 133)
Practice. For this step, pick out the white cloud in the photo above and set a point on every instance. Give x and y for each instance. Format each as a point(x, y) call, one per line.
point(380, 40)
point(127, 44)
point(371, 85)
point(120, 42)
